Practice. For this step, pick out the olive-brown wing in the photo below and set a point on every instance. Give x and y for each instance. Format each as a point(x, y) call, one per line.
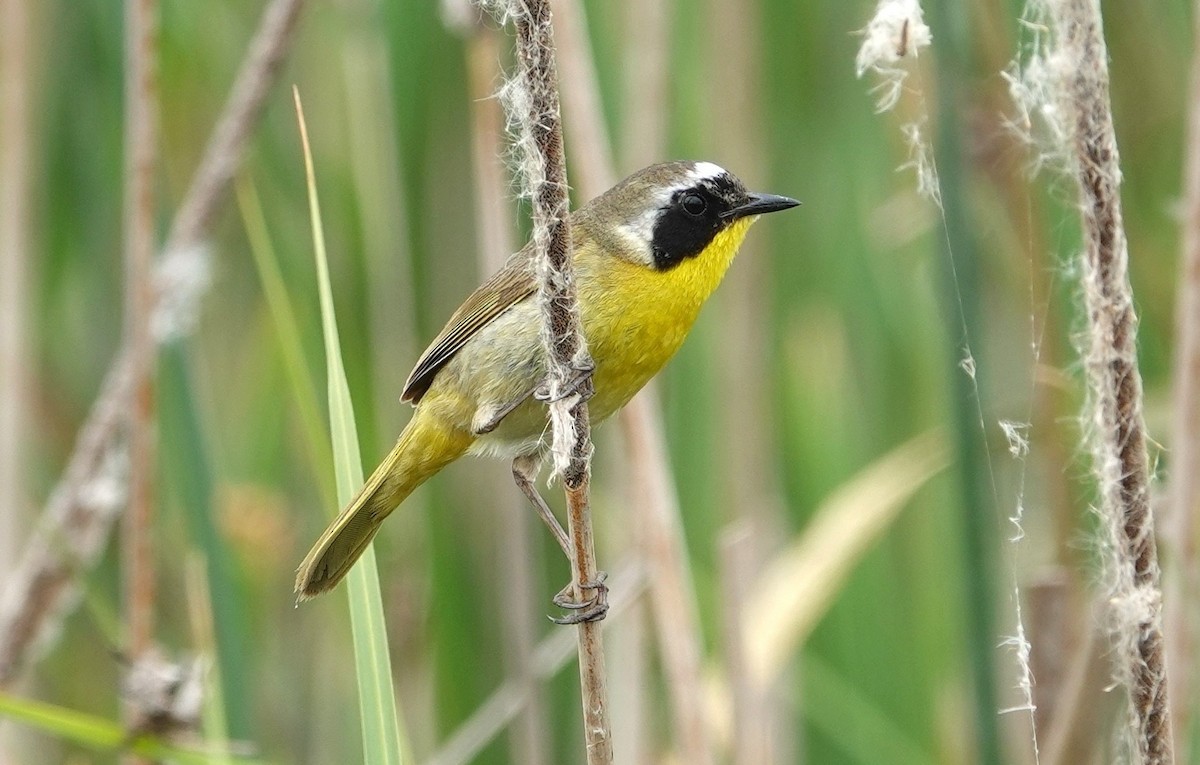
point(509, 286)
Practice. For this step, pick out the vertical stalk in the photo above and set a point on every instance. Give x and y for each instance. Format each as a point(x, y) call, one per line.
point(16, 148)
point(562, 336)
point(751, 480)
point(746, 452)
point(751, 715)
point(1183, 571)
point(960, 287)
point(15, 151)
point(141, 105)
point(1118, 432)
point(646, 75)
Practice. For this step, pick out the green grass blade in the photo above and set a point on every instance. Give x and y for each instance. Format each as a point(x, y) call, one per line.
point(97, 732)
point(188, 463)
point(962, 297)
point(377, 703)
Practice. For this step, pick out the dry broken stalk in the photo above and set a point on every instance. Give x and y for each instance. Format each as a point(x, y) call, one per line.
point(78, 515)
point(539, 137)
point(1118, 432)
point(141, 108)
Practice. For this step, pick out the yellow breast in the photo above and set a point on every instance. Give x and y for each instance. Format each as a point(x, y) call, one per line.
point(635, 318)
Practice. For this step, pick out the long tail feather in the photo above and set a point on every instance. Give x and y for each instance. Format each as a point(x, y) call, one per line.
point(424, 448)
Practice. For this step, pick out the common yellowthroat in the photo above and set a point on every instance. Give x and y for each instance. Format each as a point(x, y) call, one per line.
point(646, 253)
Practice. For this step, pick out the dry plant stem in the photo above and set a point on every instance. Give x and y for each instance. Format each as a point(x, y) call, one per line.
point(672, 589)
point(562, 335)
point(17, 146)
point(1182, 585)
point(591, 149)
point(673, 593)
point(1070, 737)
point(496, 236)
point(141, 156)
point(1119, 437)
point(647, 32)
point(751, 709)
point(72, 534)
point(74, 524)
point(626, 587)
point(751, 482)
point(15, 150)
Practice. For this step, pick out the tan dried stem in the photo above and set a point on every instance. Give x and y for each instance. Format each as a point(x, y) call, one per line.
point(1070, 733)
point(78, 515)
point(750, 707)
point(18, 146)
point(1182, 585)
point(1118, 432)
point(646, 73)
point(540, 140)
point(626, 588)
point(16, 150)
point(141, 158)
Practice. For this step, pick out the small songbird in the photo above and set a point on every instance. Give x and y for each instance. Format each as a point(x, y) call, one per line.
point(646, 255)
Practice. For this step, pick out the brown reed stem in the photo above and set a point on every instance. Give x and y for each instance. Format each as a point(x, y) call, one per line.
point(1182, 585)
point(16, 150)
point(1115, 408)
point(752, 713)
point(141, 158)
point(79, 512)
point(627, 586)
point(562, 335)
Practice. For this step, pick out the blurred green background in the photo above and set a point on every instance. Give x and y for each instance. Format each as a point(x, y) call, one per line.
point(835, 341)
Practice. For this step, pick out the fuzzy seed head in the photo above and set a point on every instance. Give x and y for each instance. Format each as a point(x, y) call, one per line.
point(896, 32)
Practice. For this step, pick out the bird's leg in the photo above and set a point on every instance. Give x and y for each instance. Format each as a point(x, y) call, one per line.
point(525, 470)
point(488, 419)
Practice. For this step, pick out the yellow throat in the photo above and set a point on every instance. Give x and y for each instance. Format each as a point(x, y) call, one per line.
point(635, 318)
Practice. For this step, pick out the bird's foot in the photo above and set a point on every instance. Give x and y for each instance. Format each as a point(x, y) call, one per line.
point(579, 383)
point(591, 609)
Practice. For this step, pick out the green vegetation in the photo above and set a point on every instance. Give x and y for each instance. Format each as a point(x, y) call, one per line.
point(835, 320)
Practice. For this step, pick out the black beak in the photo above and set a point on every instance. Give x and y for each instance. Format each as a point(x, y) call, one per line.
point(757, 204)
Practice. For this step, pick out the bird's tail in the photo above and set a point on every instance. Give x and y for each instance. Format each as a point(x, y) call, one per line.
point(425, 447)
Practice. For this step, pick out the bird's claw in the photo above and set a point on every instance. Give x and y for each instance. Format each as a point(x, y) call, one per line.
point(579, 383)
point(591, 609)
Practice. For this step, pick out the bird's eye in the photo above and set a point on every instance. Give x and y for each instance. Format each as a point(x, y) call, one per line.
point(694, 204)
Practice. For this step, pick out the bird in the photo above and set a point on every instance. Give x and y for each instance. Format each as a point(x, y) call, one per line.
point(646, 255)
